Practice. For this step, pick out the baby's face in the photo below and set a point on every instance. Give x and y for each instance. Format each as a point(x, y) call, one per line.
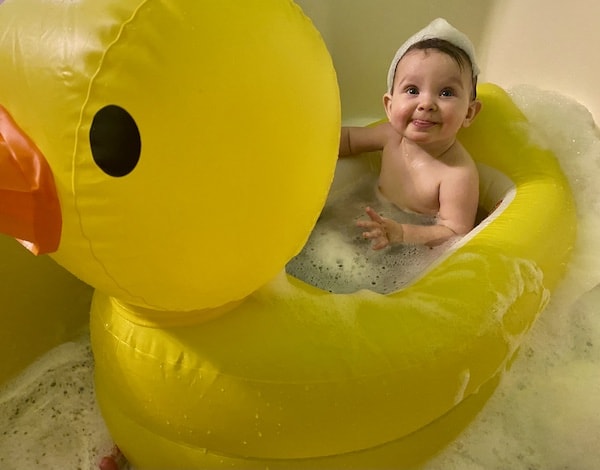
point(431, 98)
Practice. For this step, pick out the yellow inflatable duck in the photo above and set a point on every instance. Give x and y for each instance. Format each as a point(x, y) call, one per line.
point(189, 146)
point(171, 154)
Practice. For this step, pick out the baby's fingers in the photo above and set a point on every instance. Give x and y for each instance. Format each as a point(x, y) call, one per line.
point(379, 239)
point(375, 217)
point(375, 233)
point(380, 245)
point(369, 224)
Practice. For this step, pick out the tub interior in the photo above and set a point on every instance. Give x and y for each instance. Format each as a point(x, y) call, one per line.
point(337, 259)
point(544, 414)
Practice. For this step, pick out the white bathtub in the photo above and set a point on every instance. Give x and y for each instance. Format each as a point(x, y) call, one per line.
point(547, 44)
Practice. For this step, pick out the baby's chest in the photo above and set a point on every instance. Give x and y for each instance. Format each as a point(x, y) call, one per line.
point(414, 188)
point(423, 179)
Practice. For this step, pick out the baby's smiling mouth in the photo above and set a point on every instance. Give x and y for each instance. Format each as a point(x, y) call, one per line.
point(423, 123)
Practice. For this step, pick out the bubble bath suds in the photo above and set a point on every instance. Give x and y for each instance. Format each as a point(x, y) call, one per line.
point(338, 259)
point(545, 414)
point(48, 415)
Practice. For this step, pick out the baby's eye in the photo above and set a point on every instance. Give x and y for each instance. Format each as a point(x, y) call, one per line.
point(447, 92)
point(411, 90)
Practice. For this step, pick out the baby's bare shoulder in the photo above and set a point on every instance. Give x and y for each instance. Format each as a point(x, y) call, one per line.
point(459, 158)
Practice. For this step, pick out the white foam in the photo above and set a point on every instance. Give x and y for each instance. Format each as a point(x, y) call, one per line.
point(48, 415)
point(337, 259)
point(465, 378)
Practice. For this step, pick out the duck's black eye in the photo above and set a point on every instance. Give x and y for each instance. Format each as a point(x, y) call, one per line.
point(115, 141)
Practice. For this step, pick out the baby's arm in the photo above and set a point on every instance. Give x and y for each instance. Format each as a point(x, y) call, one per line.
point(459, 194)
point(459, 198)
point(357, 140)
point(384, 232)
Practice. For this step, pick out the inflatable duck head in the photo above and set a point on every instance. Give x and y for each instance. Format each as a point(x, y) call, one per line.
point(173, 154)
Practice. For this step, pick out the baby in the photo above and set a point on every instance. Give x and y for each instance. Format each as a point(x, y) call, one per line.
point(424, 169)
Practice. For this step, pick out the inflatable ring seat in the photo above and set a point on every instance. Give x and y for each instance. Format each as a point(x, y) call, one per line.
point(296, 377)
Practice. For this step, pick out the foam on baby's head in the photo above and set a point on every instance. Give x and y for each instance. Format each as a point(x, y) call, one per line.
point(437, 29)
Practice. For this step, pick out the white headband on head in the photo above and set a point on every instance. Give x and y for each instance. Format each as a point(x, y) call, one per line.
point(437, 29)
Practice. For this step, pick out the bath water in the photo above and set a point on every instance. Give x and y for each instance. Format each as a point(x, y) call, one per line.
point(545, 414)
point(336, 257)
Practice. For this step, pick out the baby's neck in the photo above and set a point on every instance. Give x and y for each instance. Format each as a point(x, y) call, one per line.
point(411, 149)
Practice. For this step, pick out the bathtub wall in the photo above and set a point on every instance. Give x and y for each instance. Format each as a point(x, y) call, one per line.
point(548, 44)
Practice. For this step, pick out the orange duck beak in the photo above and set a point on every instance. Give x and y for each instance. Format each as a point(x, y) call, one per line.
point(29, 205)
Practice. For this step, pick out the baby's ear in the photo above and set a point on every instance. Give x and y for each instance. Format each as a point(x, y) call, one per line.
point(473, 111)
point(387, 102)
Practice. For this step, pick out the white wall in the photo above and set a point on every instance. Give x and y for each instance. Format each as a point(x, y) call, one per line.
point(550, 44)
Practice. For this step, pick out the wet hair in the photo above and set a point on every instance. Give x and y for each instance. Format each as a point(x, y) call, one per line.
point(455, 53)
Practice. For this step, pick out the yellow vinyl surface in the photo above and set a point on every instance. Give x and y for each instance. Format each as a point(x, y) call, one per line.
point(295, 377)
point(232, 110)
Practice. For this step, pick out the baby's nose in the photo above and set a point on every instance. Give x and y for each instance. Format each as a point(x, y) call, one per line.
point(427, 103)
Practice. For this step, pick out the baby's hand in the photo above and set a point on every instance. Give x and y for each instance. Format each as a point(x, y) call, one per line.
point(382, 231)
